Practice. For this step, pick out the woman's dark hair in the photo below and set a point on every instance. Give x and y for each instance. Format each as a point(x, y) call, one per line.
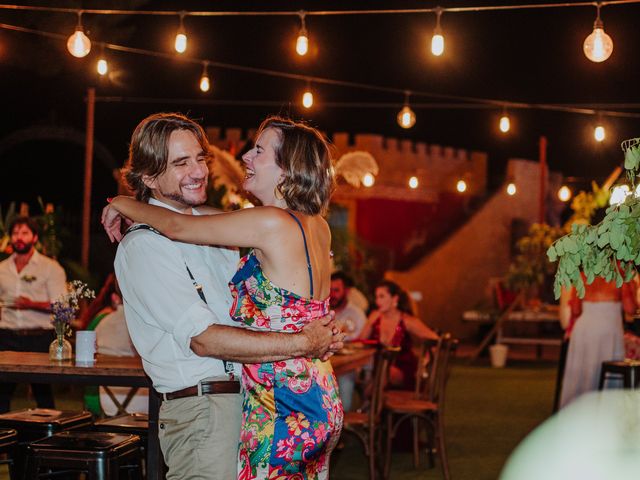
point(404, 305)
point(303, 155)
point(149, 148)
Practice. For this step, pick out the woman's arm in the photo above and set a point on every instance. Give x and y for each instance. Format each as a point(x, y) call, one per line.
point(251, 227)
point(366, 330)
point(419, 329)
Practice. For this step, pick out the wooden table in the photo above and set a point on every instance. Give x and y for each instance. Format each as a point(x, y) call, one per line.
point(31, 367)
point(358, 357)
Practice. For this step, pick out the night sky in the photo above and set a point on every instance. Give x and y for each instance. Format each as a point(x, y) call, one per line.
point(523, 56)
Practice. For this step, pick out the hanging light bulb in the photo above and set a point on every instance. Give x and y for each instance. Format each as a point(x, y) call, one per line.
point(505, 122)
point(102, 66)
point(437, 40)
point(511, 189)
point(618, 194)
point(413, 182)
point(307, 98)
point(205, 83)
point(180, 43)
point(406, 118)
point(598, 133)
point(564, 194)
point(368, 180)
point(302, 42)
point(79, 44)
point(598, 45)
point(461, 186)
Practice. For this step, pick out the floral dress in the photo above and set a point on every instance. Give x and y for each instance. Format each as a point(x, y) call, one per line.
point(292, 414)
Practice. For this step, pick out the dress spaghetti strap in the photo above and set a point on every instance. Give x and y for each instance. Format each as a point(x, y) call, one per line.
point(306, 251)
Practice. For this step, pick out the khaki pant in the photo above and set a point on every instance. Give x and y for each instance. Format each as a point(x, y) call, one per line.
point(199, 436)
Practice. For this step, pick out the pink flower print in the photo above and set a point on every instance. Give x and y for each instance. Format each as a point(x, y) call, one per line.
point(244, 471)
point(286, 448)
point(296, 423)
point(320, 432)
point(249, 438)
point(308, 445)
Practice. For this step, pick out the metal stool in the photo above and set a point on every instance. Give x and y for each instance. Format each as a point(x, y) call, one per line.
point(130, 423)
point(36, 423)
point(8, 445)
point(628, 369)
point(103, 456)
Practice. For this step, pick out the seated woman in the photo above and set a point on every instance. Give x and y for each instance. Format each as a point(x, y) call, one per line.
point(392, 324)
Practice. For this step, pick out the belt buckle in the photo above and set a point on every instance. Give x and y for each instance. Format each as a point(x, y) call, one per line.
point(199, 387)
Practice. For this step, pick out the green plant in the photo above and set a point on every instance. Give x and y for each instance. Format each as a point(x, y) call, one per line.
point(531, 267)
point(609, 249)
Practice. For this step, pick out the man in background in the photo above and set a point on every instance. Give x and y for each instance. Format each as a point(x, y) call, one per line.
point(29, 282)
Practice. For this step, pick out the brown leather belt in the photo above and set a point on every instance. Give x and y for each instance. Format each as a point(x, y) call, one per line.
point(205, 388)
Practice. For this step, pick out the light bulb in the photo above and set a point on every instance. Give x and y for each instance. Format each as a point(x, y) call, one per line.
point(205, 84)
point(437, 44)
point(79, 44)
point(598, 133)
point(564, 194)
point(461, 186)
point(413, 182)
point(307, 99)
point(102, 66)
point(505, 123)
point(302, 43)
point(368, 180)
point(181, 42)
point(618, 194)
point(598, 45)
point(406, 117)
point(511, 189)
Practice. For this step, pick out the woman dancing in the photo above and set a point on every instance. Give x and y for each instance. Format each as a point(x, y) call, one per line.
point(292, 414)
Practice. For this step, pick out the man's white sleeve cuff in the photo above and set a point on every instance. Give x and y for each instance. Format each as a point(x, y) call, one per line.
point(192, 323)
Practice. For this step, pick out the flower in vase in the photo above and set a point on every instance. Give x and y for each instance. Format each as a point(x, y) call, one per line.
point(65, 307)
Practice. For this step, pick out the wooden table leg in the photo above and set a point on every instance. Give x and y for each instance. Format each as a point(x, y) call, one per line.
point(155, 461)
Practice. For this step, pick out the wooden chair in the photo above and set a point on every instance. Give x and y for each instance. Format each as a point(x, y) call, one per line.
point(365, 425)
point(426, 403)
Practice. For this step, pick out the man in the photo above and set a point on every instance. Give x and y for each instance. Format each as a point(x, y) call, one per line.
point(352, 320)
point(177, 301)
point(29, 282)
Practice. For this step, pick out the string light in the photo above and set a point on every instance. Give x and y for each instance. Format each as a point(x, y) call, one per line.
point(180, 43)
point(307, 97)
point(618, 194)
point(79, 44)
point(102, 66)
point(599, 133)
point(461, 186)
point(205, 83)
point(368, 180)
point(598, 45)
point(413, 182)
point(302, 42)
point(437, 40)
point(511, 189)
point(564, 194)
point(505, 122)
point(406, 117)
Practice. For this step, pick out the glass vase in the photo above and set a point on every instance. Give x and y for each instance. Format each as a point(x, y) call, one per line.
point(60, 349)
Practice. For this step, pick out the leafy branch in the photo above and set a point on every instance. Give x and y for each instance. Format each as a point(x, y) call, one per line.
point(609, 249)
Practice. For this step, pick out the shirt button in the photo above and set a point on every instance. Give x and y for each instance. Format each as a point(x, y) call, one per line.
point(162, 426)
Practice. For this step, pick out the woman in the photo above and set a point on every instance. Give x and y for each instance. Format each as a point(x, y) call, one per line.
point(292, 414)
point(392, 324)
point(595, 333)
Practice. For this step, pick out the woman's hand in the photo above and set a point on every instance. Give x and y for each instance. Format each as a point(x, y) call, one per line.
point(112, 221)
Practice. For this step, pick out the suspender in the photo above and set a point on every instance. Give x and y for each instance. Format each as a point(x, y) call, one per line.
point(306, 251)
point(228, 366)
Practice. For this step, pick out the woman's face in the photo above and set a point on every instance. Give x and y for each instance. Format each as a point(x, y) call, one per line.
point(262, 172)
point(384, 300)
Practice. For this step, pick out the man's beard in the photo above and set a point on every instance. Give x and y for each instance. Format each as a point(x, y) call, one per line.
point(339, 303)
point(179, 198)
point(21, 247)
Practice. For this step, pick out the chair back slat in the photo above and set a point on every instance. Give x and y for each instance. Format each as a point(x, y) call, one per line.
point(440, 372)
point(383, 359)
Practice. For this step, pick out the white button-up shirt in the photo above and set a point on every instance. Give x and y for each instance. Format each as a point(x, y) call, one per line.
point(163, 309)
point(41, 280)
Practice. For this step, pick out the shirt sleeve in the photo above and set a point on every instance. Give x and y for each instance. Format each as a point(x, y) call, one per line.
point(56, 281)
point(154, 281)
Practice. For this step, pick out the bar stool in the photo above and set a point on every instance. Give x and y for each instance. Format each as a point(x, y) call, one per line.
point(103, 456)
point(8, 445)
point(130, 423)
point(36, 423)
point(628, 369)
